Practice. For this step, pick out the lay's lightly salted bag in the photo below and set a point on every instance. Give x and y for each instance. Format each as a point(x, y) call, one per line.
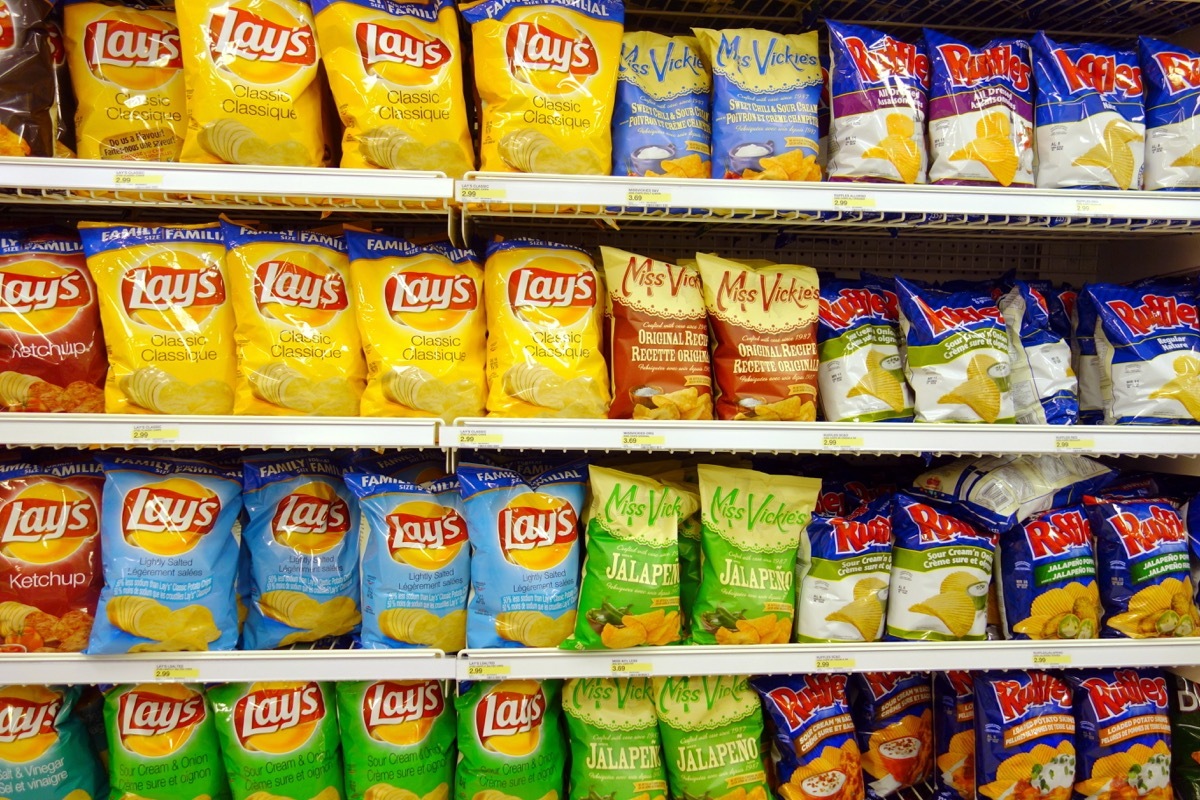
point(45, 753)
point(1172, 86)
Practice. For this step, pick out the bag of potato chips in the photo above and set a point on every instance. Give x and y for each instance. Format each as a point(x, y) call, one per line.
point(615, 748)
point(893, 720)
point(127, 70)
point(766, 87)
point(753, 525)
point(1172, 115)
point(252, 88)
point(510, 741)
point(1024, 735)
point(167, 317)
point(395, 70)
point(544, 307)
point(690, 552)
point(279, 740)
point(764, 325)
point(398, 738)
point(546, 74)
point(298, 346)
point(303, 530)
point(45, 753)
point(423, 325)
point(954, 735)
point(64, 98)
point(1185, 736)
point(27, 113)
point(160, 729)
point(1044, 388)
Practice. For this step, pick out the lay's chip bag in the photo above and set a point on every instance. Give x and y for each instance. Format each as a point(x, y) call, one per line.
point(1044, 388)
point(423, 325)
point(1172, 115)
point(163, 743)
point(167, 316)
point(893, 720)
point(303, 531)
point(416, 563)
point(127, 70)
point(546, 74)
point(766, 87)
point(169, 542)
point(397, 736)
point(1024, 735)
point(46, 753)
point(524, 554)
point(510, 741)
point(252, 91)
point(616, 751)
point(954, 735)
point(279, 740)
point(298, 346)
point(1090, 115)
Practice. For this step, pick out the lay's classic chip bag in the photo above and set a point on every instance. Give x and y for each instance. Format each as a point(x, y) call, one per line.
point(1091, 119)
point(127, 70)
point(416, 563)
point(169, 542)
point(544, 308)
point(298, 346)
point(615, 746)
point(397, 736)
point(1024, 735)
point(893, 720)
point(1172, 114)
point(279, 740)
point(766, 87)
point(396, 74)
point(662, 125)
point(980, 111)
point(510, 742)
point(954, 735)
point(411, 466)
point(45, 753)
point(1123, 734)
point(166, 311)
point(303, 531)
point(878, 86)
point(163, 743)
point(423, 326)
point(1044, 389)
point(252, 90)
point(546, 74)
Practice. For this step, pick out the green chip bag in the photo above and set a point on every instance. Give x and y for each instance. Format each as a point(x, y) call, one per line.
point(510, 741)
point(162, 743)
point(630, 590)
point(615, 749)
point(397, 735)
point(712, 730)
point(690, 557)
point(753, 524)
point(279, 738)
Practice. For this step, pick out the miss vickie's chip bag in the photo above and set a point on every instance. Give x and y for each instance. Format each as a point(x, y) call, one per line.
point(510, 742)
point(616, 750)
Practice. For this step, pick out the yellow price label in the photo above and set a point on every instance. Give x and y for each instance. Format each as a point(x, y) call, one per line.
point(164, 673)
point(835, 663)
point(153, 433)
point(480, 191)
point(137, 178)
point(642, 440)
point(626, 667)
point(842, 200)
point(1092, 207)
point(1073, 443)
point(488, 670)
point(647, 197)
point(836, 440)
point(472, 437)
point(1053, 659)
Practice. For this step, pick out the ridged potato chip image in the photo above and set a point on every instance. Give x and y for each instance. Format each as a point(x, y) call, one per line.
point(1068, 612)
point(993, 147)
point(1115, 153)
point(1184, 387)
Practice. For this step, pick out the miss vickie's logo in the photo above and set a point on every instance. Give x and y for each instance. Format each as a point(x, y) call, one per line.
point(813, 694)
point(1144, 533)
point(1057, 533)
point(1129, 689)
point(647, 274)
point(530, 46)
point(1017, 698)
point(663, 62)
point(738, 506)
point(852, 305)
point(761, 56)
point(749, 290)
point(292, 285)
point(968, 67)
point(887, 58)
point(380, 44)
point(1100, 73)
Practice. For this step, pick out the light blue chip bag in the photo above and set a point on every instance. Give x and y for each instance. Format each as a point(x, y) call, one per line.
point(169, 545)
point(416, 563)
point(303, 536)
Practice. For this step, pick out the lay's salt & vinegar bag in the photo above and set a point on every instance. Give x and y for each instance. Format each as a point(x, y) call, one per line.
point(279, 740)
point(416, 563)
point(127, 70)
point(163, 743)
point(510, 741)
point(1024, 735)
point(1172, 115)
point(546, 74)
point(766, 87)
point(893, 721)
point(1044, 388)
point(616, 750)
point(423, 325)
point(46, 753)
point(169, 544)
point(253, 93)
point(524, 554)
point(397, 736)
point(298, 347)
point(303, 531)
point(954, 735)
point(395, 70)
point(167, 315)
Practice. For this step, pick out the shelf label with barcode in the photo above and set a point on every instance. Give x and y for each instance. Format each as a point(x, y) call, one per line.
point(1090, 206)
point(480, 191)
point(841, 440)
point(1074, 442)
point(631, 667)
point(175, 672)
point(479, 437)
point(853, 200)
point(834, 663)
point(488, 669)
point(1051, 658)
point(647, 196)
point(137, 177)
point(642, 439)
point(154, 433)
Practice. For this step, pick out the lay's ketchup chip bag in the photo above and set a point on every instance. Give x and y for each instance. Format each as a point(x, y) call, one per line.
point(45, 753)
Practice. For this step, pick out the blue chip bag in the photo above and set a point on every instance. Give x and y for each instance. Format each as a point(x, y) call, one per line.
point(410, 466)
point(1171, 75)
point(1090, 115)
point(1143, 567)
point(1047, 572)
point(45, 752)
point(1044, 388)
point(954, 735)
point(815, 753)
point(1085, 361)
point(303, 532)
point(1024, 735)
point(893, 722)
point(416, 563)
point(1123, 734)
point(169, 546)
point(524, 554)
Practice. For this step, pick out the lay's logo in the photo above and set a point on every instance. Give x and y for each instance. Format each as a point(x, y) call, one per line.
point(7, 34)
point(1058, 533)
point(537, 531)
point(282, 716)
point(535, 47)
point(1180, 70)
point(119, 43)
point(1139, 536)
point(1100, 73)
point(151, 714)
point(506, 713)
point(851, 305)
point(418, 292)
point(22, 294)
point(968, 67)
point(887, 58)
point(157, 509)
point(34, 519)
point(380, 44)
point(22, 719)
point(58, 48)
point(304, 513)
point(541, 288)
point(292, 285)
point(856, 535)
point(1016, 698)
point(1155, 312)
point(934, 527)
point(417, 531)
point(814, 693)
point(243, 34)
point(948, 318)
point(1129, 689)
point(161, 288)
point(391, 703)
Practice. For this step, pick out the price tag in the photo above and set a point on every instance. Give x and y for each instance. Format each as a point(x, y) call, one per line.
point(154, 433)
point(175, 672)
point(488, 669)
point(628, 667)
point(1070, 442)
point(841, 440)
point(630, 439)
point(468, 192)
point(137, 177)
point(647, 196)
point(848, 200)
point(1051, 658)
point(479, 437)
point(834, 663)
point(1097, 206)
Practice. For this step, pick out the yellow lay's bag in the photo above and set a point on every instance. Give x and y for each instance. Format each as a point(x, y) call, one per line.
point(395, 70)
point(127, 71)
point(252, 91)
point(298, 345)
point(543, 310)
point(167, 318)
point(421, 316)
point(546, 72)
